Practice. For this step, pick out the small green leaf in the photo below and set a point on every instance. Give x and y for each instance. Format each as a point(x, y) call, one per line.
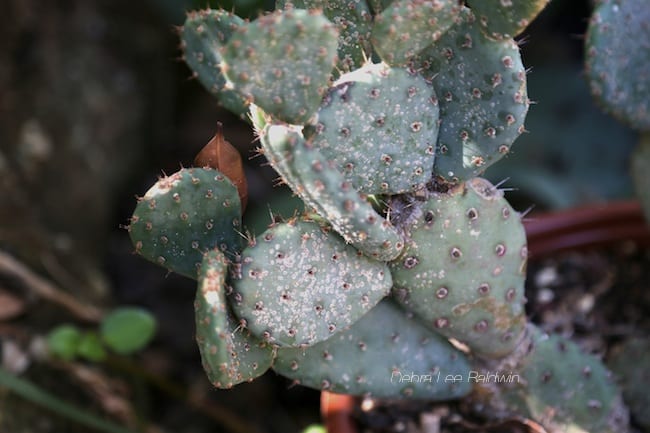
point(315, 428)
point(91, 348)
point(63, 341)
point(128, 329)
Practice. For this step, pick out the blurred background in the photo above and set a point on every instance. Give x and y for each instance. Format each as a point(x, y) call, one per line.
point(95, 105)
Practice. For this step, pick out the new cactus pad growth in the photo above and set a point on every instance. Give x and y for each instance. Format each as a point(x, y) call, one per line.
point(379, 116)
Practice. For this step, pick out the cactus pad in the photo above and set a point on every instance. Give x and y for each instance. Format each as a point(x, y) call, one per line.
point(618, 59)
point(184, 215)
point(300, 284)
point(385, 354)
point(406, 27)
point(629, 362)
point(559, 386)
point(352, 18)
point(283, 62)
point(481, 86)
point(503, 19)
point(203, 35)
point(229, 353)
point(370, 120)
point(463, 268)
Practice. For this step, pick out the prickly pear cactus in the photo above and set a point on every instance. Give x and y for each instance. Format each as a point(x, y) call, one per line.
point(502, 19)
point(624, 362)
point(230, 354)
point(203, 35)
point(283, 62)
point(553, 382)
point(618, 59)
point(185, 215)
point(299, 284)
point(481, 88)
point(463, 269)
point(406, 27)
point(352, 19)
point(393, 109)
point(385, 354)
point(429, 94)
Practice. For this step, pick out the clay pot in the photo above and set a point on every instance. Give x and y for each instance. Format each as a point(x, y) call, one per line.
point(587, 227)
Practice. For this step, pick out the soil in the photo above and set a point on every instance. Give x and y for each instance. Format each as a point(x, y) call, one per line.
point(596, 298)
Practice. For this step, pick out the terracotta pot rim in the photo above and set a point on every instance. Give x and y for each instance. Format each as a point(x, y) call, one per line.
point(589, 226)
point(584, 227)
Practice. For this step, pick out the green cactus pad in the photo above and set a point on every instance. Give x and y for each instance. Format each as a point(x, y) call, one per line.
point(629, 362)
point(385, 354)
point(406, 27)
point(203, 35)
point(503, 19)
point(300, 284)
point(312, 177)
point(618, 59)
point(481, 86)
point(283, 62)
point(230, 355)
point(463, 268)
point(379, 125)
point(557, 385)
point(184, 215)
point(352, 18)
point(641, 173)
